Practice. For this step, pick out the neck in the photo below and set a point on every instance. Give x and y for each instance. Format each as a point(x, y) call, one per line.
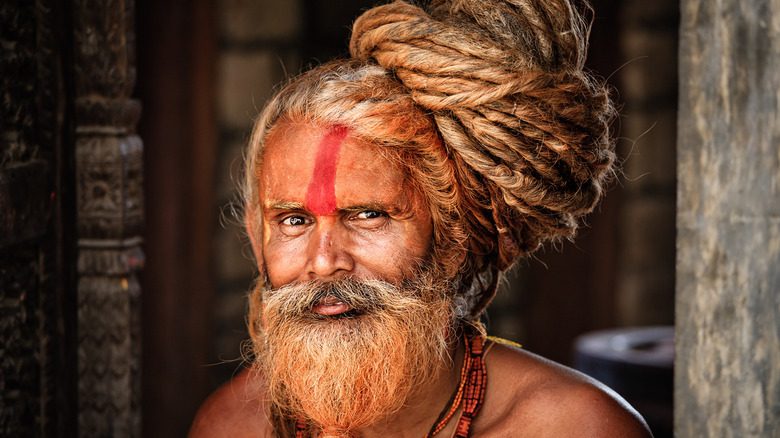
point(424, 406)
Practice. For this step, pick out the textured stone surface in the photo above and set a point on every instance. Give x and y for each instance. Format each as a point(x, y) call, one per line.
point(656, 13)
point(248, 20)
point(646, 286)
point(230, 169)
point(236, 263)
point(651, 163)
point(651, 72)
point(728, 259)
point(648, 89)
point(245, 81)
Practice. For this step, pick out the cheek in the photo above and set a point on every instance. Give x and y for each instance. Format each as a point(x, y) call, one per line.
point(284, 259)
point(392, 255)
point(421, 234)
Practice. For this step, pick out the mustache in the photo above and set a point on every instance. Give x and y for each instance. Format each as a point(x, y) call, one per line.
point(361, 295)
point(351, 372)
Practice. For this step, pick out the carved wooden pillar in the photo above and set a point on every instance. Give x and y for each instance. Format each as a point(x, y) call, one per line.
point(728, 246)
point(110, 215)
point(37, 282)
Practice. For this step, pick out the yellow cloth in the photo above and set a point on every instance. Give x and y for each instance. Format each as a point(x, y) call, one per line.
point(497, 340)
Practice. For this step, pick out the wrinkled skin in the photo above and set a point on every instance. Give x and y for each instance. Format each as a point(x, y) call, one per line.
point(381, 229)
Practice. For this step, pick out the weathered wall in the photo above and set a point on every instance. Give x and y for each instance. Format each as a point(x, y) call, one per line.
point(176, 47)
point(620, 269)
point(728, 221)
point(648, 92)
point(258, 45)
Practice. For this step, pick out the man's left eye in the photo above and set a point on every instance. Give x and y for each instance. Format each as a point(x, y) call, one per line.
point(370, 214)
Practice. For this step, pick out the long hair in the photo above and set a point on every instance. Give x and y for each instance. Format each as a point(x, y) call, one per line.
point(486, 105)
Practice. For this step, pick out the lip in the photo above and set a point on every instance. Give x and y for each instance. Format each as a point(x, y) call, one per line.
point(330, 306)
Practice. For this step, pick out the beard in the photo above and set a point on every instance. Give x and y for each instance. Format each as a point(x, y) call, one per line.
point(354, 370)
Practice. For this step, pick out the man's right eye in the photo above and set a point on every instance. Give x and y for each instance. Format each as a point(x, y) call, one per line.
point(294, 221)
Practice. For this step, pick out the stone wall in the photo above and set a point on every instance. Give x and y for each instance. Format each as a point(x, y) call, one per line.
point(648, 91)
point(258, 47)
point(619, 271)
point(728, 220)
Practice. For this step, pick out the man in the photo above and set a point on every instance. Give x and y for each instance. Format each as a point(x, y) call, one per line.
point(385, 195)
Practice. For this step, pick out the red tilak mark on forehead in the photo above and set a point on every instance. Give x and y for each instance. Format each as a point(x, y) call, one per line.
point(321, 195)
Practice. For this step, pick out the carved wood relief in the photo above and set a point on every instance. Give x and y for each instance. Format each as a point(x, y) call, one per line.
point(31, 323)
point(109, 164)
point(71, 212)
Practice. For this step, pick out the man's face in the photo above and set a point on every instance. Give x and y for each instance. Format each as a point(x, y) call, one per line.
point(333, 207)
point(357, 316)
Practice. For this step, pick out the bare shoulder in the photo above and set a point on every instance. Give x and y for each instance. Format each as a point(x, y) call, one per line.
point(528, 395)
point(236, 409)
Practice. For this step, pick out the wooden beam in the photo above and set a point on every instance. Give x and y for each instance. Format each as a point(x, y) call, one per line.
point(176, 51)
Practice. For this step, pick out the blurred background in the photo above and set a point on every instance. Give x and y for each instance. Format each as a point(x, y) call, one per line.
point(204, 71)
point(120, 311)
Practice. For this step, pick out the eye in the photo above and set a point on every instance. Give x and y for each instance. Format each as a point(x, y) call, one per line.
point(294, 221)
point(370, 214)
point(369, 219)
point(294, 224)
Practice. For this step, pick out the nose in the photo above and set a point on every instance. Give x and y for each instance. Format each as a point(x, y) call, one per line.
point(328, 256)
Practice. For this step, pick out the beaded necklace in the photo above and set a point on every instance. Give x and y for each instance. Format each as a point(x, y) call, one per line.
point(471, 389)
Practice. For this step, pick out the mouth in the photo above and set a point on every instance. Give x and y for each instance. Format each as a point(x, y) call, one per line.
point(332, 307)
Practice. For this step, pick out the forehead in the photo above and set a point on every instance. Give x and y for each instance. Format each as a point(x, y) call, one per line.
point(296, 153)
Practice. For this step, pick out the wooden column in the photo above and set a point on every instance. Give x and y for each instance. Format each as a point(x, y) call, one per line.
point(728, 221)
point(109, 218)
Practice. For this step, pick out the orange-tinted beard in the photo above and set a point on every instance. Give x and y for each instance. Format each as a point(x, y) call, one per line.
point(346, 373)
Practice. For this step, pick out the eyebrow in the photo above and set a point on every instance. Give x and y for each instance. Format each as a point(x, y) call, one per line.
point(285, 205)
point(377, 206)
point(294, 205)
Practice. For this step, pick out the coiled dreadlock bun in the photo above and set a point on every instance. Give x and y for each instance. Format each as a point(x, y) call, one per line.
point(526, 128)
